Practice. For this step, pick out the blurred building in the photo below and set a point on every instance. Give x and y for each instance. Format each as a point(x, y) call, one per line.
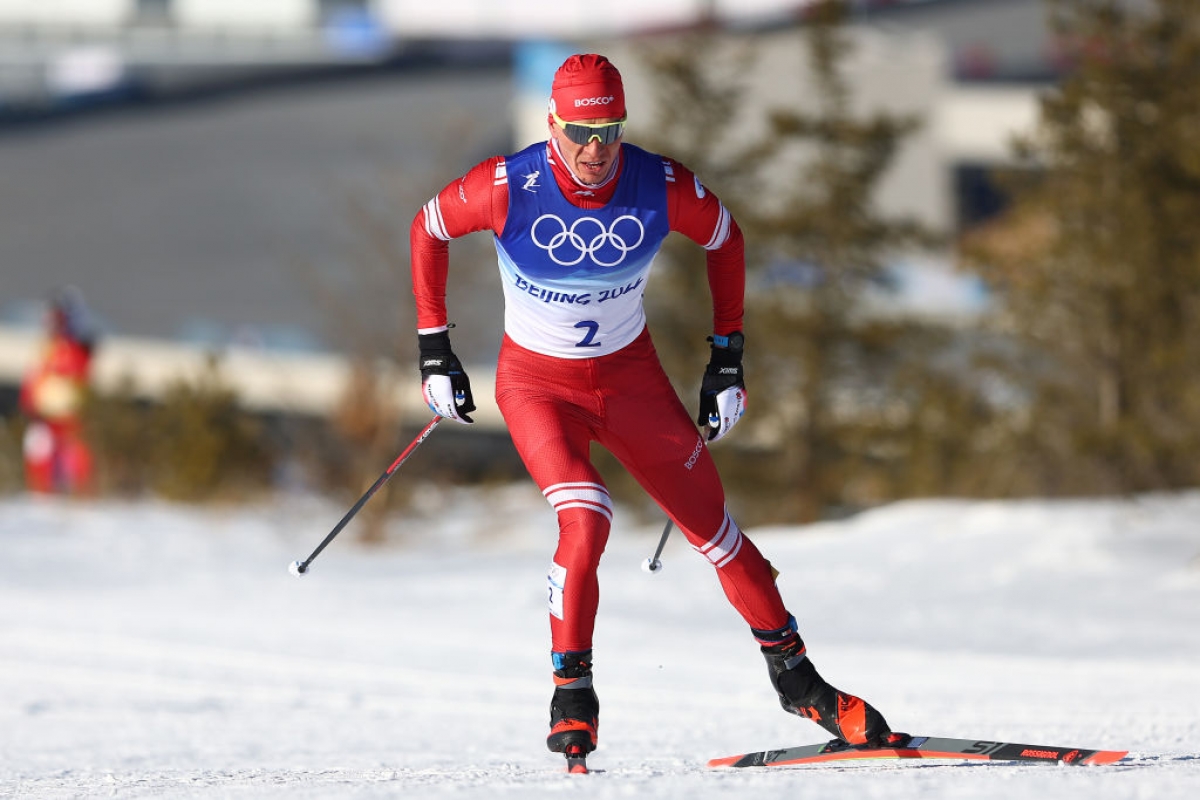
point(971, 71)
point(75, 50)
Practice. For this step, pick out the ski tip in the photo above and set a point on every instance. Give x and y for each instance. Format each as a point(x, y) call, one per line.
point(1104, 757)
point(727, 761)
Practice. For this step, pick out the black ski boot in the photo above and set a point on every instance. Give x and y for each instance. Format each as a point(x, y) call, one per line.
point(574, 710)
point(804, 692)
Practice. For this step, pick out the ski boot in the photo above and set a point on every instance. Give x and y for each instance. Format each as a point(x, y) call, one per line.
point(802, 691)
point(574, 710)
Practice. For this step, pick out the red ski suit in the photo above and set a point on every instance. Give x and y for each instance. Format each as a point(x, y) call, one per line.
point(556, 403)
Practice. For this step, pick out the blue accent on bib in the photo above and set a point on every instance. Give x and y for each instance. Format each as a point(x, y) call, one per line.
point(562, 247)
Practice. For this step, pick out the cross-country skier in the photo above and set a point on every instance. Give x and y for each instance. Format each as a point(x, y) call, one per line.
point(577, 221)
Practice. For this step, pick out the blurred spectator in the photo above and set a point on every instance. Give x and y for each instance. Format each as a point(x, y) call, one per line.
point(57, 457)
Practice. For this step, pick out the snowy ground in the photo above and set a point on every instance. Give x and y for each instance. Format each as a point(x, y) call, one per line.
point(155, 651)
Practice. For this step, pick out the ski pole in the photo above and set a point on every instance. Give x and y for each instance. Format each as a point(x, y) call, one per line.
point(652, 564)
point(298, 568)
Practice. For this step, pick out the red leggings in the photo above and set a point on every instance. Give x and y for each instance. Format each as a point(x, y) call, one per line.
point(555, 408)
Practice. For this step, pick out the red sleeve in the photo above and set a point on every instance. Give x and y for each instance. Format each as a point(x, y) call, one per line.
point(699, 215)
point(478, 201)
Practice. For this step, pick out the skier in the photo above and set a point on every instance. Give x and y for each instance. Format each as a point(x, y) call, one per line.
point(577, 221)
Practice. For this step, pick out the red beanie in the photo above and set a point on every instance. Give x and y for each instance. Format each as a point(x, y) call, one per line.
point(587, 87)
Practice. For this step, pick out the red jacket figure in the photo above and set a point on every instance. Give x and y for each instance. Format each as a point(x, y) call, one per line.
point(57, 457)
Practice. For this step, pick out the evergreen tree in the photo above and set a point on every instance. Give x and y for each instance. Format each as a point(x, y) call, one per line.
point(820, 371)
point(698, 80)
point(824, 365)
point(1098, 263)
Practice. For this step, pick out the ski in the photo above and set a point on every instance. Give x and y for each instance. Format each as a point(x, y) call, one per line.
point(922, 747)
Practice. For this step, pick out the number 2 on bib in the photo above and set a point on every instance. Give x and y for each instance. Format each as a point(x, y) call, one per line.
point(591, 328)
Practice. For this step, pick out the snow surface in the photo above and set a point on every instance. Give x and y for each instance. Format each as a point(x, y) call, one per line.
point(149, 650)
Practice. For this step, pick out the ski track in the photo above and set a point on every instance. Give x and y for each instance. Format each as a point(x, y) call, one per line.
point(154, 651)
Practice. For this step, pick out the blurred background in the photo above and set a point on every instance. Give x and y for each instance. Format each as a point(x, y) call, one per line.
point(971, 224)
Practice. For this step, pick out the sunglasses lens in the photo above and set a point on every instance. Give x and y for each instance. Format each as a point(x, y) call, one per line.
point(582, 134)
point(611, 133)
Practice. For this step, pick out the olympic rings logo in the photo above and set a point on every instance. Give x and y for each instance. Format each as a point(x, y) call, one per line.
point(586, 238)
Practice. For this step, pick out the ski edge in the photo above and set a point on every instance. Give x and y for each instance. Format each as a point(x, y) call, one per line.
point(923, 747)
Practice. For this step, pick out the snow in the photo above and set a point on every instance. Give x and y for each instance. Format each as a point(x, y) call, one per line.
point(151, 650)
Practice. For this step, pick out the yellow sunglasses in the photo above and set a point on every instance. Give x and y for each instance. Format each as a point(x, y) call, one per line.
point(582, 133)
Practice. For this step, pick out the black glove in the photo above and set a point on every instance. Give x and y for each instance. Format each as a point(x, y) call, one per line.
point(444, 384)
point(723, 390)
